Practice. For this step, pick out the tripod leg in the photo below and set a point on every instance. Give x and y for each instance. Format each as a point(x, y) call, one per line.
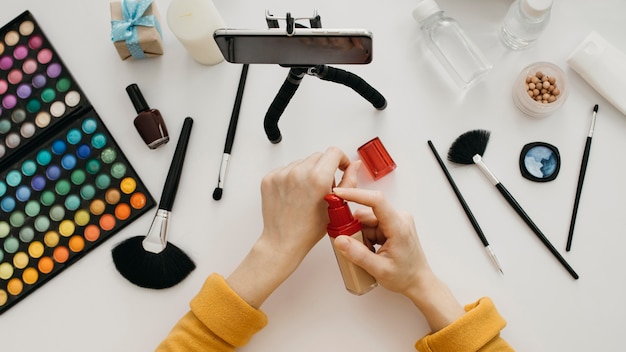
point(280, 102)
point(353, 81)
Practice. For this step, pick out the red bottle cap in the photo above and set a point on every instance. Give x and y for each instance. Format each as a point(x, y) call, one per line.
point(376, 158)
point(341, 220)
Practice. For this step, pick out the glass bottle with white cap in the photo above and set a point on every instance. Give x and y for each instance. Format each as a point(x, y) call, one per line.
point(463, 60)
point(524, 22)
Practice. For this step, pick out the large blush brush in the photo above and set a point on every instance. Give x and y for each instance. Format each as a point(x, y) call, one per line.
point(150, 261)
point(468, 149)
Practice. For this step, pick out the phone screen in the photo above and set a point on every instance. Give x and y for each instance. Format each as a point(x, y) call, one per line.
point(299, 49)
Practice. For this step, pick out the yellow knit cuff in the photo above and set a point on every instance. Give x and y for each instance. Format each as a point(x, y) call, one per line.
point(226, 314)
point(476, 328)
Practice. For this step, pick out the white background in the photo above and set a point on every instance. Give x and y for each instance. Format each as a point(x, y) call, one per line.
point(90, 307)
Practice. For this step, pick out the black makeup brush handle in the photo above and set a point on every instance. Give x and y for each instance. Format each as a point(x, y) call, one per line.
point(579, 188)
point(534, 227)
point(176, 167)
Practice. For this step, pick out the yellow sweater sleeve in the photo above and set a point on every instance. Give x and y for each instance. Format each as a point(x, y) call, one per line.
point(219, 320)
point(477, 330)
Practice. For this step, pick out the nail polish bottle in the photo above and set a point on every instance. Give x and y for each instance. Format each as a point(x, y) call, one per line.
point(342, 223)
point(149, 122)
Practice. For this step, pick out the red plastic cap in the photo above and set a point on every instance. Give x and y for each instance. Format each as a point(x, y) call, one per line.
point(376, 158)
point(341, 220)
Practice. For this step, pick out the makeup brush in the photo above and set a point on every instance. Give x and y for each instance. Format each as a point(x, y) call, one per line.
point(581, 178)
point(468, 149)
point(466, 208)
point(150, 261)
point(230, 135)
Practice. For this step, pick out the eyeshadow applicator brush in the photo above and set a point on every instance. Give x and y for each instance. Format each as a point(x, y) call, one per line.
point(230, 135)
point(150, 261)
point(468, 149)
point(581, 178)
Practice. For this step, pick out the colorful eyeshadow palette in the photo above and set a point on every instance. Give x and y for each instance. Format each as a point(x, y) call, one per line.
point(36, 89)
point(65, 185)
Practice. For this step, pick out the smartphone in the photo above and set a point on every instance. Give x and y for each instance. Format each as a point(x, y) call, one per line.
point(305, 47)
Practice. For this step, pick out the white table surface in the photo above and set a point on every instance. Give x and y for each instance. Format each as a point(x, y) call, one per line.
point(90, 307)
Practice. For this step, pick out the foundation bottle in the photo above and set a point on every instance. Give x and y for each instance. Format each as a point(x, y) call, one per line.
point(342, 223)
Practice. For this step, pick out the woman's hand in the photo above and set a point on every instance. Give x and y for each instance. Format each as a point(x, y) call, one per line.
point(400, 264)
point(294, 210)
point(294, 220)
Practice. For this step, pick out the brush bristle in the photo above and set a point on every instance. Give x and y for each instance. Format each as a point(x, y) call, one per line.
point(149, 270)
point(467, 145)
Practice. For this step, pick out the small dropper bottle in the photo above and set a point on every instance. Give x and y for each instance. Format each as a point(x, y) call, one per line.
point(342, 223)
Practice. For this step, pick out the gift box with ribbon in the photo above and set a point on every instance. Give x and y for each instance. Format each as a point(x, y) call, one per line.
point(135, 29)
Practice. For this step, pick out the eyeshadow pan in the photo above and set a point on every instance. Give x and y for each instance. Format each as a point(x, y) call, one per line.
point(32, 208)
point(81, 218)
point(7, 204)
point(42, 223)
point(44, 56)
point(54, 70)
point(27, 130)
point(11, 38)
point(45, 265)
point(51, 239)
point(9, 101)
point(30, 276)
point(24, 91)
point(87, 192)
point(20, 52)
point(48, 95)
point(35, 42)
point(72, 98)
point(6, 62)
point(36, 249)
point(138, 200)
point(27, 28)
point(78, 177)
point(38, 183)
point(108, 155)
point(44, 157)
point(39, 81)
point(83, 151)
point(57, 109)
point(15, 76)
point(65, 184)
point(42, 120)
point(5, 126)
point(29, 66)
point(53, 172)
point(63, 85)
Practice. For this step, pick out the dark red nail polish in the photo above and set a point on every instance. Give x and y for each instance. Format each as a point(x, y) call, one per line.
point(149, 122)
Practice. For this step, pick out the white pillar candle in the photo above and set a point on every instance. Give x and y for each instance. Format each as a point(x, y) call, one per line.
point(193, 23)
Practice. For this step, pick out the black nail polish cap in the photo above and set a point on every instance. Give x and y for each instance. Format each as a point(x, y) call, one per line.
point(137, 98)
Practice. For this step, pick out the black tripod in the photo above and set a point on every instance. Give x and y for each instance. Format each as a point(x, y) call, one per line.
point(324, 72)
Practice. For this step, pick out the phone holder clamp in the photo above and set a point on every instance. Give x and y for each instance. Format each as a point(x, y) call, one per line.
point(297, 73)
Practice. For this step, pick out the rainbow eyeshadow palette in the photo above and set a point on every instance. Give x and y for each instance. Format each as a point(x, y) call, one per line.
point(65, 185)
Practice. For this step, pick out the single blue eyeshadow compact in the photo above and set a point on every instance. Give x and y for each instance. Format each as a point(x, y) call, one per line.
point(540, 161)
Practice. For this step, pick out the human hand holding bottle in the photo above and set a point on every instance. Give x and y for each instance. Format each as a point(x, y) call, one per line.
point(294, 220)
point(400, 264)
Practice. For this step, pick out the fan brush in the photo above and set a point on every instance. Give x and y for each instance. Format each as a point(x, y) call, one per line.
point(150, 261)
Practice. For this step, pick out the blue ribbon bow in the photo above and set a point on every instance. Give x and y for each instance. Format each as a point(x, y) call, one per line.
point(126, 29)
